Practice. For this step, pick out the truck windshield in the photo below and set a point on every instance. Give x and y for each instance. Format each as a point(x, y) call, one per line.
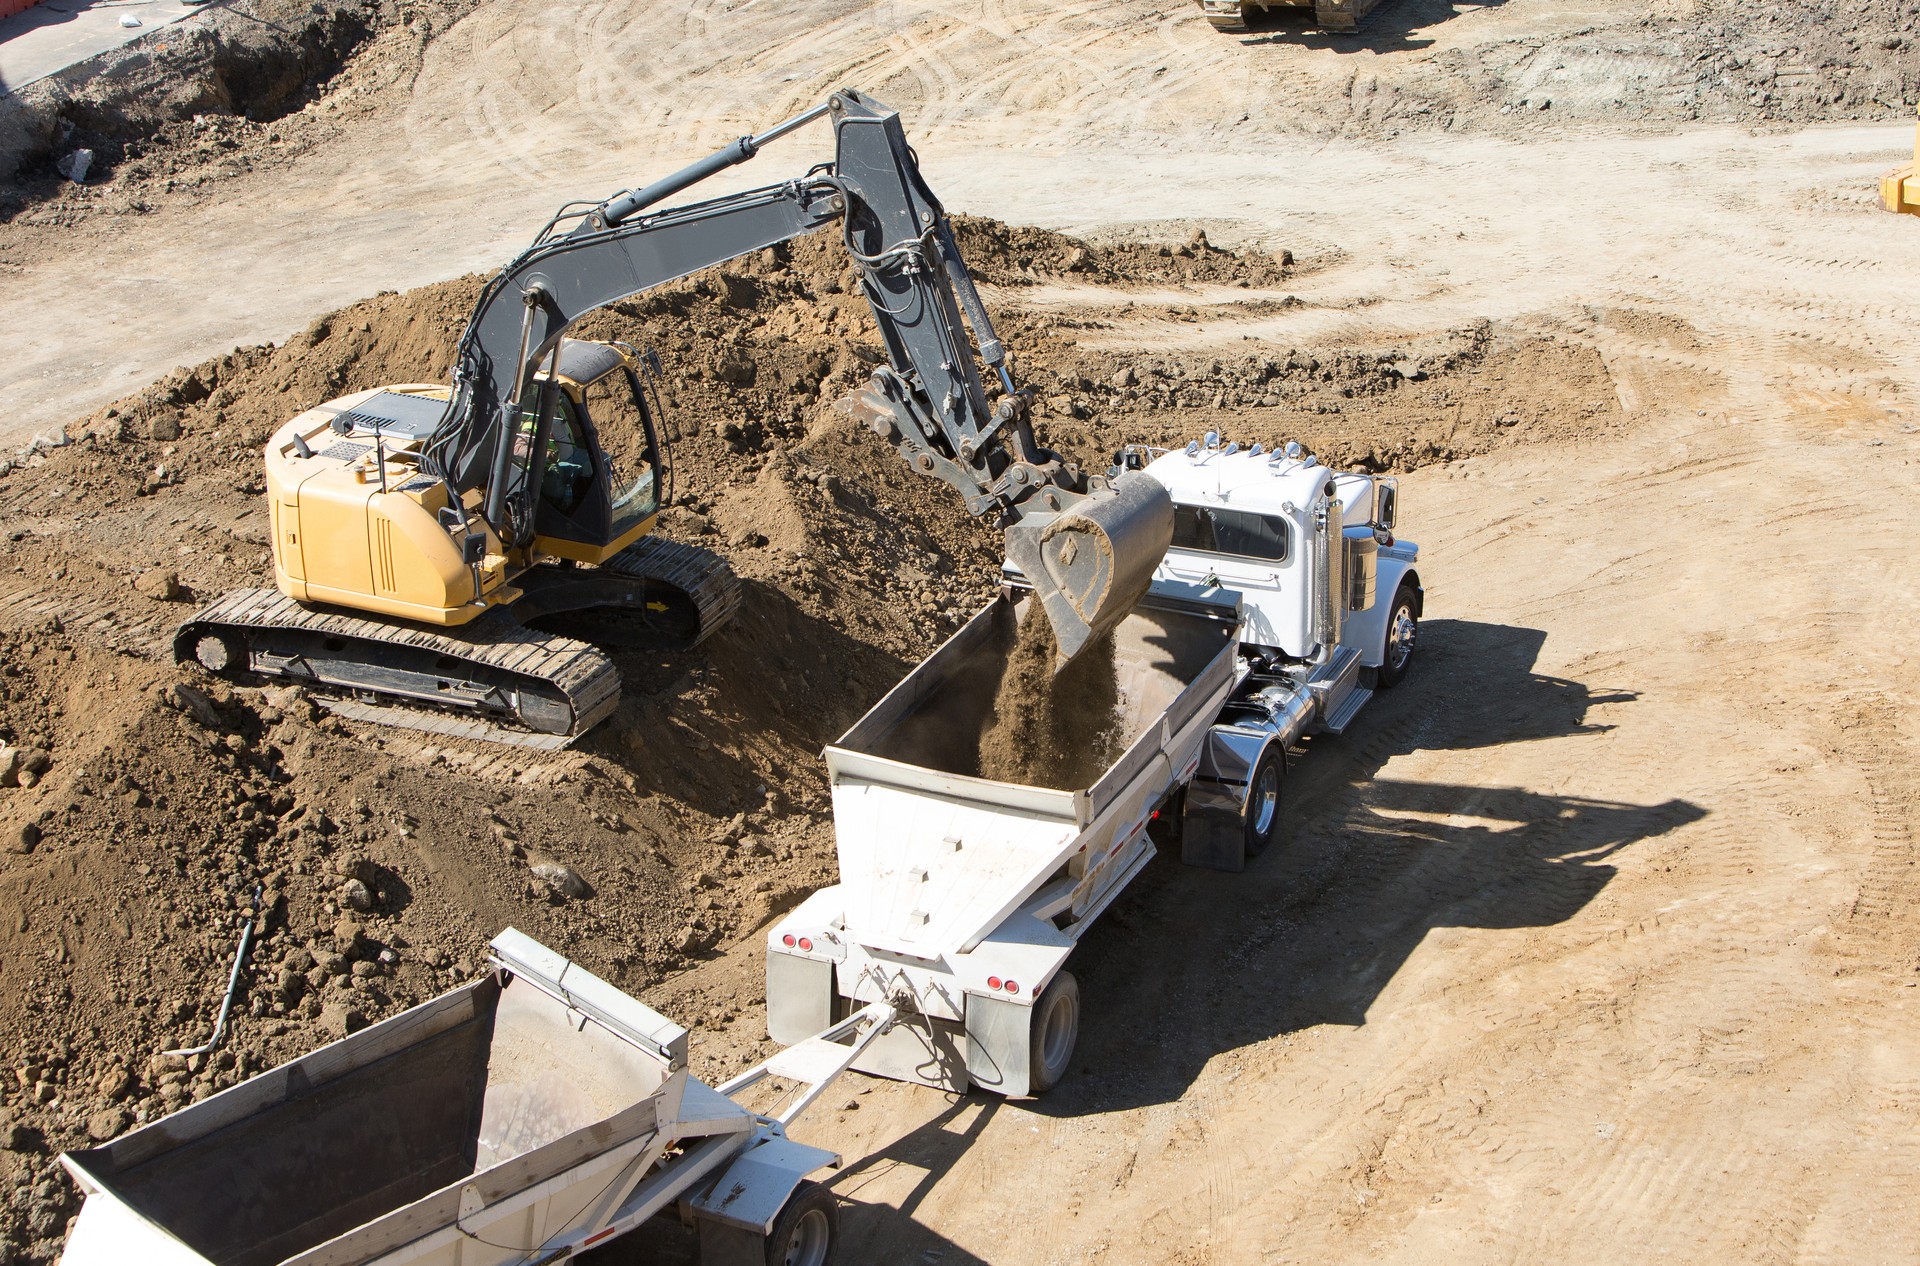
point(1241, 532)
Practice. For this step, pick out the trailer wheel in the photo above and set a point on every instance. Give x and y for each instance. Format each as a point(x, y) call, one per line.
point(1056, 1030)
point(805, 1231)
point(1403, 629)
point(1263, 801)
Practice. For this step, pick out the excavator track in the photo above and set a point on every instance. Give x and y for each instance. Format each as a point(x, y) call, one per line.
point(494, 678)
point(662, 593)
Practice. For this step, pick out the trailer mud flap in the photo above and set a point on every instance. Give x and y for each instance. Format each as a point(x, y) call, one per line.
point(799, 997)
point(999, 1045)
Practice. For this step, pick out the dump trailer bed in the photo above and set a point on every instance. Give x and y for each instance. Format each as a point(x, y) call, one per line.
point(522, 1117)
point(960, 896)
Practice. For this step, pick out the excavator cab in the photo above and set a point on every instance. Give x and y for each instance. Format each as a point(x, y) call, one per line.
point(590, 507)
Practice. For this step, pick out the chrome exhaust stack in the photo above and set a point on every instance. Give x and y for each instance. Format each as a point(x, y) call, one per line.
point(1092, 561)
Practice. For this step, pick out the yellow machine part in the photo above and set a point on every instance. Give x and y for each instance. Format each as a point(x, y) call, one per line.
point(1900, 188)
point(348, 533)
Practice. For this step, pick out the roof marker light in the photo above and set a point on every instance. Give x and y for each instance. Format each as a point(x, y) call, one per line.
point(1193, 448)
point(1232, 448)
point(1213, 439)
point(1256, 450)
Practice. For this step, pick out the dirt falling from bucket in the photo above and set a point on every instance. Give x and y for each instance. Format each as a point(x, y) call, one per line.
point(1053, 730)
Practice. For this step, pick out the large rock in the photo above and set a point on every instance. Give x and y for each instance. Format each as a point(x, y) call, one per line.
point(341, 1018)
point(160, 584)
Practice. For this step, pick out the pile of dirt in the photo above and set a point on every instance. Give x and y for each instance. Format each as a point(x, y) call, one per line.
point(238, 88)
point(1051, 729)
point(161, 800)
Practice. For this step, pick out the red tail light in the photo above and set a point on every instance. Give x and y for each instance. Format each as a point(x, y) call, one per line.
point(993, 982)
point(1013, 986)
point(806, 943)
point(787, 940)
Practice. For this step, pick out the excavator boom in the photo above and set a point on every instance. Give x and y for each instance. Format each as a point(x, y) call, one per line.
point(1087, 547)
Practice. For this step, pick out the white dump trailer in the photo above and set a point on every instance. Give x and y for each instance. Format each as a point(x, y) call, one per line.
point(1284, 603)
point(522, 1118)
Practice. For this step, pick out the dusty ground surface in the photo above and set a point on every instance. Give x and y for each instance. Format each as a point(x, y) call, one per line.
point(1591, 941)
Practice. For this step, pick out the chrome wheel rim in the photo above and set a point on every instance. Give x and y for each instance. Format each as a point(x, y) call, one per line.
point(1266, 801)
point(811, 1238)
point(1400, 637)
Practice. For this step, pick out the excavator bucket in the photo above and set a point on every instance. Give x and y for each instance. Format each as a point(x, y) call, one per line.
point(1092, 561)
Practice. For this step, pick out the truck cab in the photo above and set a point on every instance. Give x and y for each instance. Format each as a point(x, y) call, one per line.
point(1310, 550)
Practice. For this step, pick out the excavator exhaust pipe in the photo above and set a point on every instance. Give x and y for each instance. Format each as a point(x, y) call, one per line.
point(1090, 563)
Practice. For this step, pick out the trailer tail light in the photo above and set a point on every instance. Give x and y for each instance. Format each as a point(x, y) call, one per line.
point(1013, 986)
point(993, 982)
point(806, 943)
point(787, 940)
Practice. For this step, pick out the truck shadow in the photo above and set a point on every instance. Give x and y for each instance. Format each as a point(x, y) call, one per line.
point(1189, 964)
point(1391, 28)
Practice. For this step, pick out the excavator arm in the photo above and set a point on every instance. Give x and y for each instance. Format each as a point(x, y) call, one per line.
point(1087, 546)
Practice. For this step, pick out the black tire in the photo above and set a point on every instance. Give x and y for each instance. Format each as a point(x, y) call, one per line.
point(807, 1229)
point(1055, 1032)
point(1263, 800)
point(1396, 654)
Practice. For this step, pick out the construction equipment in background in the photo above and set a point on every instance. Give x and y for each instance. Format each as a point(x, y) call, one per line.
point(426, 537)
point(1342, 17)
point(1900, 188)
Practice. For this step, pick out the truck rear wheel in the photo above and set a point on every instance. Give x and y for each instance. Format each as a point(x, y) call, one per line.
point(1403, 629)
point(1055, 1032)
point(805, 1231)
point(1263, 801)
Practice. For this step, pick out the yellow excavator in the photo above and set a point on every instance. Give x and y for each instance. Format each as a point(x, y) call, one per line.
point(1900, 188)
point(424, 535)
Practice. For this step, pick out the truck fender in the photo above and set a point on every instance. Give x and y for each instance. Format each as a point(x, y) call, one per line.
point(737, 1211)
point(1368, 629)
point(1213, 822)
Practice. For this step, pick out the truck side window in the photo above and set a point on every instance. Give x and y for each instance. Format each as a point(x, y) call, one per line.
point(1241, 532)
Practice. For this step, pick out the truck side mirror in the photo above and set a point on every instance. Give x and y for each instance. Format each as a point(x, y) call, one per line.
point(1387, 506)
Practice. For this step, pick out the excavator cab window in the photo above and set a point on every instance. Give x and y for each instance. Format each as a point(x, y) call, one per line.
point(569, 473)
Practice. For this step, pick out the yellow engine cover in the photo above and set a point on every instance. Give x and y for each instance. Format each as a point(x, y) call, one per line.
point(351, 532)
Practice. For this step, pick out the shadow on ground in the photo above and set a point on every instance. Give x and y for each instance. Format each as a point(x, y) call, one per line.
point(1396, 26)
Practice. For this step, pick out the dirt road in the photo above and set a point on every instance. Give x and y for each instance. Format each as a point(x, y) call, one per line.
point(1592, 942)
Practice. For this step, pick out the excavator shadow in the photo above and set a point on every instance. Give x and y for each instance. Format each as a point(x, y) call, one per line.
point(1390, 28)
point(1190, 963)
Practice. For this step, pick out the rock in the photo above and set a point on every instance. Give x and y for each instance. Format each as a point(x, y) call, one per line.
point(1125, 378)
point(159, 584)
point(75, 166)
point(341, 1018)
point(564, 880)
point(10, 764)
point(109, 1123)
point(14, 1137)
point(23, 838)
point(350, 938)
point(1198, 244)
point(57, 438)
point(165, 427)
point(115, 1084)
point(197, 704)
point(736, 370)
point(355, 895)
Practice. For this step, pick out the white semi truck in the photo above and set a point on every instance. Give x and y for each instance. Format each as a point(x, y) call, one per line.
point(1285, 601)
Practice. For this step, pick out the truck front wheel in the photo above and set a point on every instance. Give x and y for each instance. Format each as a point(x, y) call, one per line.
point(1403, 628)
point(805, 1231)
point(1055, 1032)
